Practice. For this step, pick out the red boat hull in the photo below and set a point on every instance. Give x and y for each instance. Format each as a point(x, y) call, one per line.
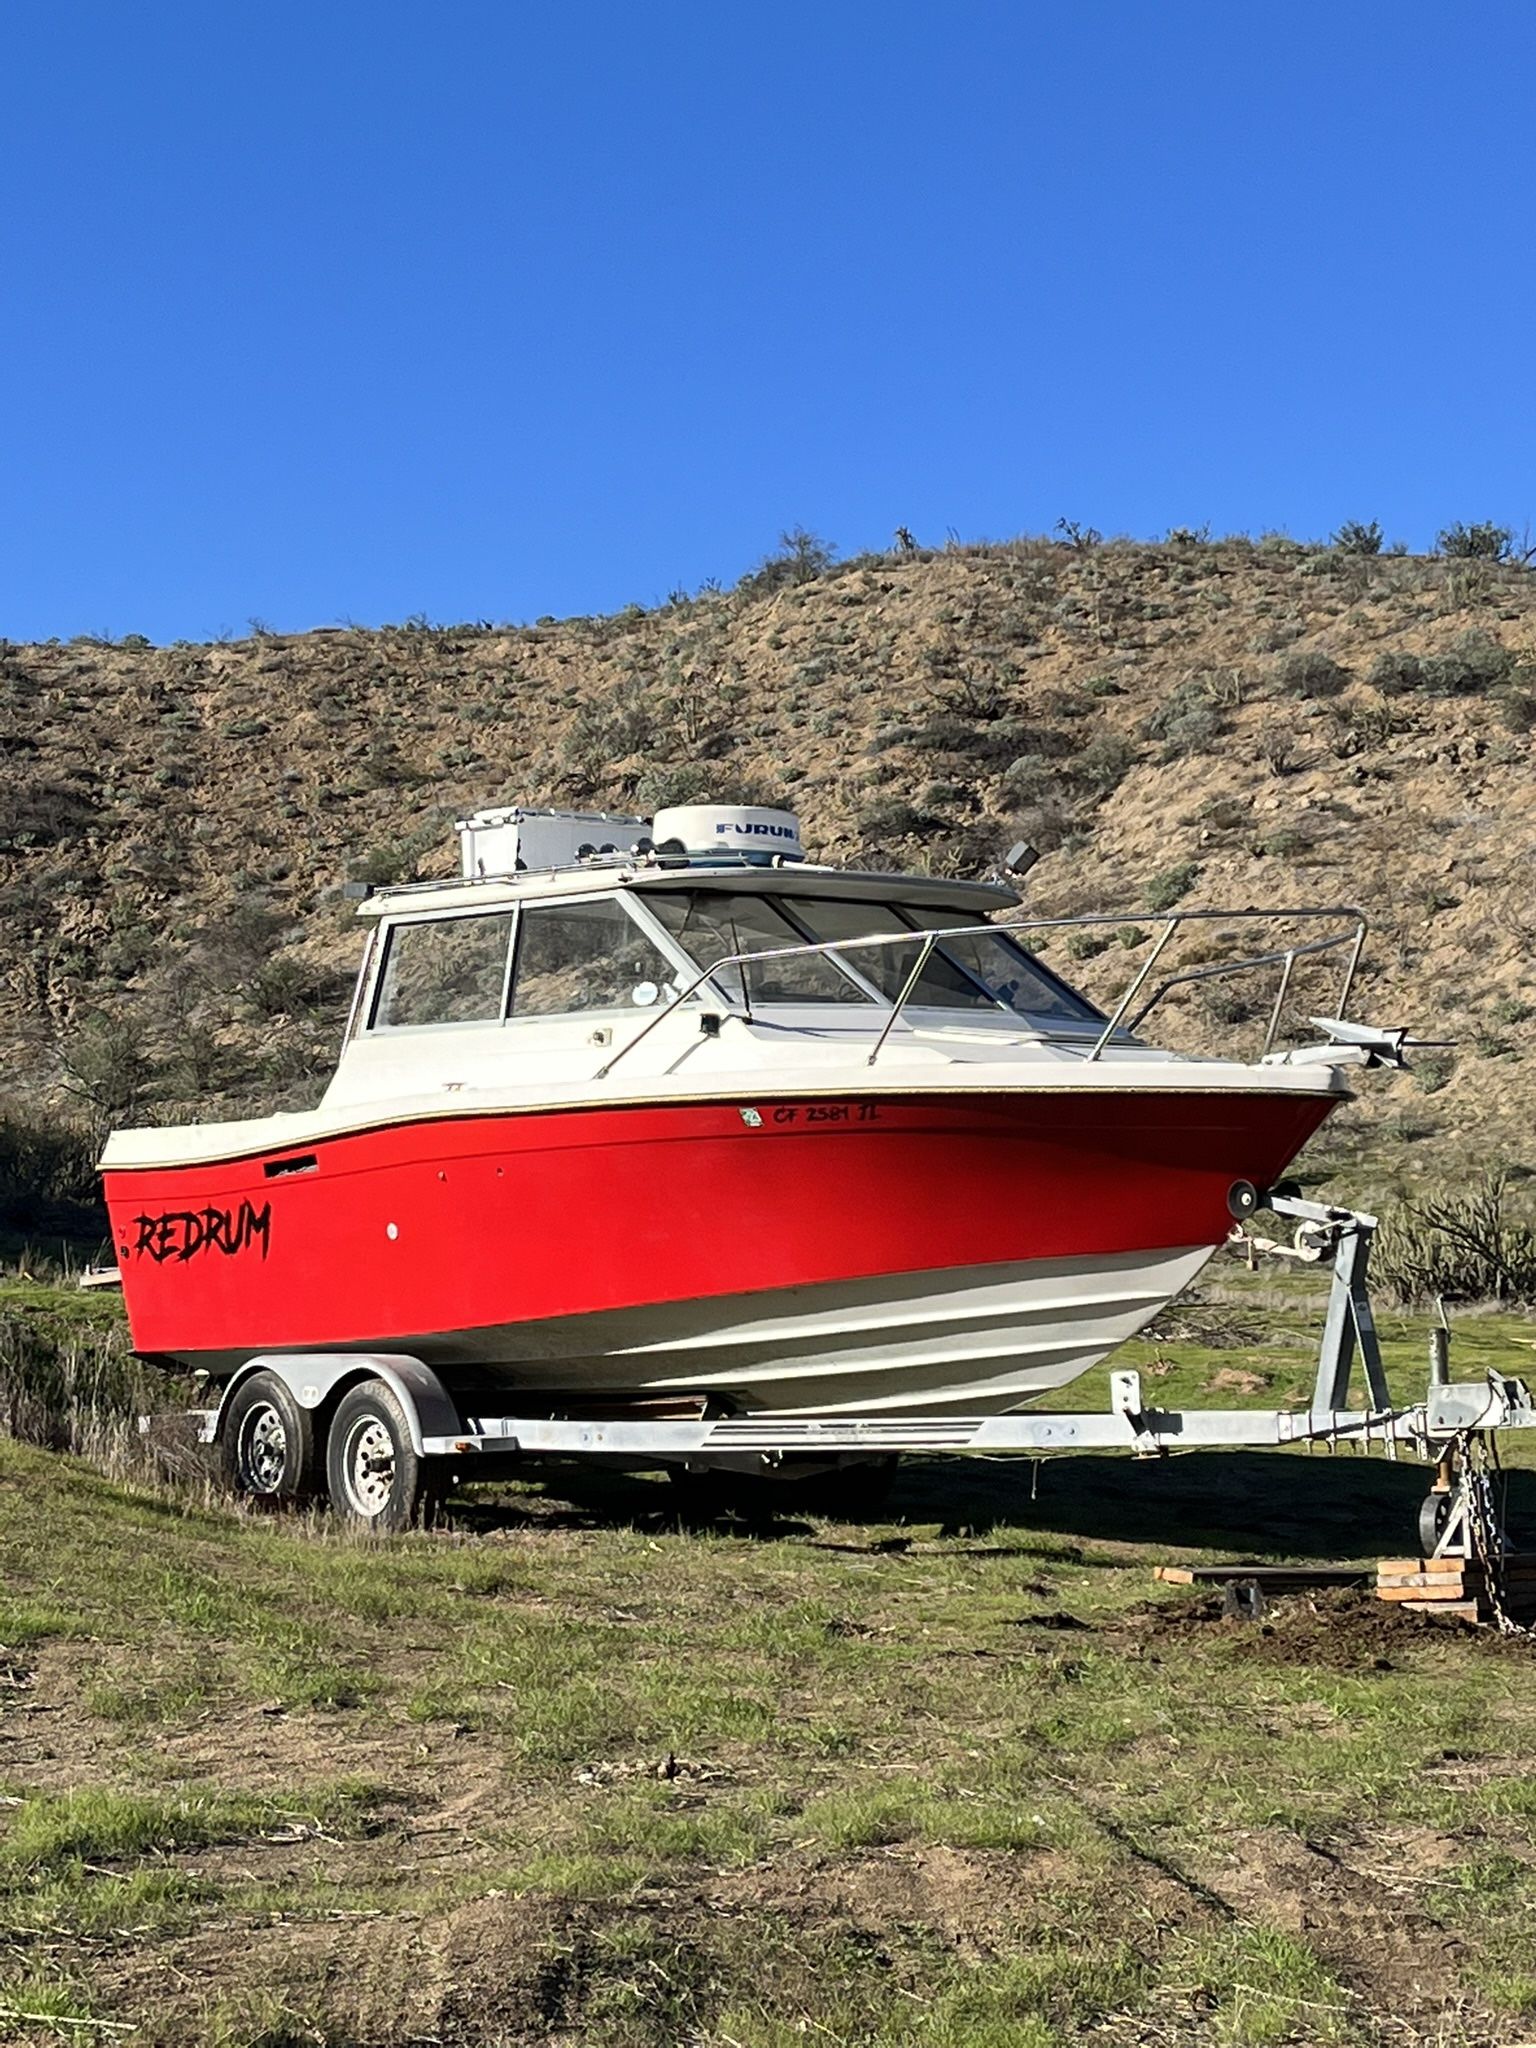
point(417, 1234)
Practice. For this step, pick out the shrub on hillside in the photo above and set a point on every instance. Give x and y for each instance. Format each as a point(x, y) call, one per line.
point(614, 728)
point(1308, 672)
point(1226, 814)
point(1101, 767)
point(1082, 778)
point(1458, 1247)
point(106, 1069)
point(1474, 662)
point(1396, 673)
point(697, 782)
point(801, 557)
point(43, 1162)
point(1483, 541)
point(1359, 537)
point(1028, 779)
point(894, 818)
point(1188, 721)
point(1046, 824)
point(1274, 741)
point(37, 809)
point(948, 733)
point(1171, 886)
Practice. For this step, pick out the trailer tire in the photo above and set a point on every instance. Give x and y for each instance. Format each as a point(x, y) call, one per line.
point(376, 1479)
point(267, 1442)
point(1433, 1517)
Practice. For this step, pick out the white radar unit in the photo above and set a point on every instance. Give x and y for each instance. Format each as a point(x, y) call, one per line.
point(702, 830)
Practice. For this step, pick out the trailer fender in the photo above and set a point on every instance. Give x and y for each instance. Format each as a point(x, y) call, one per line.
point(315, 1377)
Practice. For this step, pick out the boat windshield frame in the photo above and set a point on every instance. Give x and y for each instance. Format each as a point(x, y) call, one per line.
point(922, 926)
point(796, 910)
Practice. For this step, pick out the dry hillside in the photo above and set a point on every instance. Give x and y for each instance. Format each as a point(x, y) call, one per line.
point(1233, 722)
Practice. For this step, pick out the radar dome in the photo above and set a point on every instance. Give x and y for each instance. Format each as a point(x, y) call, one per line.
point(702, 830)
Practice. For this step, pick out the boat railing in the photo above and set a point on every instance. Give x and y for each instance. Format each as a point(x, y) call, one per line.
point(1122, 1019)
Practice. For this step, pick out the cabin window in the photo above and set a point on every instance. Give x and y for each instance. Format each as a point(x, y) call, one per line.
point(712, 924)
point(448, 970)
point(586, 956)
point(1009, 974)
point(942, 985)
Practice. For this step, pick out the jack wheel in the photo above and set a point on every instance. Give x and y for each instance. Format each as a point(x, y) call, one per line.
point(1433, 1516)
point(375, 1479)
point(268, 1442)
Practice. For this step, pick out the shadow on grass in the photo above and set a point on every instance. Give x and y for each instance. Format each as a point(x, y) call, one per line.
point(1240, 1503)
point(1287, 1504)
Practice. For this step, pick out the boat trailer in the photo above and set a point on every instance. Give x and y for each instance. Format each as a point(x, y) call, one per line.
point(384, 1427)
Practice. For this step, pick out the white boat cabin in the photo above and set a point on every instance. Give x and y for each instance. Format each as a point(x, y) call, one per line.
point(675, 945)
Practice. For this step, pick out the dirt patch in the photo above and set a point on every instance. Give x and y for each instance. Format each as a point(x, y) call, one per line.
point(479, 1973)
point(1234, 1379)
point(1344, 1628)
point(965, 1894)
point(1393, 1950)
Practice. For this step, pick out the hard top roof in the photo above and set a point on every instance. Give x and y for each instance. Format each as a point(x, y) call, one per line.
point(796, 878)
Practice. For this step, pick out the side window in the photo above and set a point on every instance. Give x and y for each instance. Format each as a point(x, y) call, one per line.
point(712, 925)
point(585, 956)
point(941, 985)
point(1006, 971)
point(449, 970)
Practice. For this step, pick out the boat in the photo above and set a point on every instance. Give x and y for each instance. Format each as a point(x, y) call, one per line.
point(634, 1112)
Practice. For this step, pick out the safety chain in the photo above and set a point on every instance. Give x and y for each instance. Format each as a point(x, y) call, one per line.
point(1478, 1461)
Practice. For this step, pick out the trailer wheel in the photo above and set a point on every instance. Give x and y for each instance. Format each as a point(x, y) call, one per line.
point(375, 1478)
point(1433, 1516)
point(268, 1442)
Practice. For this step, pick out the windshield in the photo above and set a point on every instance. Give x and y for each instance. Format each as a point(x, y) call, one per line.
point(1009, 974)
point(982, 972)
point(568, 957)
point(942, 984)
point(447, 970)
point(711, 925)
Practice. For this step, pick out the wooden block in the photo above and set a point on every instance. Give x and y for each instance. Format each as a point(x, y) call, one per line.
point(1444, 1590)
point(1432, 1582)
point(1458, 1610)
point(1394, 1565)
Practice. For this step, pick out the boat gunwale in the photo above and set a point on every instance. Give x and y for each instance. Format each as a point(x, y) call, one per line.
point(1252, 1083)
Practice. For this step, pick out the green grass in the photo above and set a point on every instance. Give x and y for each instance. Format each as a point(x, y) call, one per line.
point(93, 1825)
point(962, 1775)
point(42, 2007)
point(1269, 1988)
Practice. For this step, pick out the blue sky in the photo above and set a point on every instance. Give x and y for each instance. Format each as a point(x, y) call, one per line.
point(332, 311)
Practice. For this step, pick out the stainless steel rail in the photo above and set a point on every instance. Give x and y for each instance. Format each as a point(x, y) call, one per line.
point(1172, 923)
